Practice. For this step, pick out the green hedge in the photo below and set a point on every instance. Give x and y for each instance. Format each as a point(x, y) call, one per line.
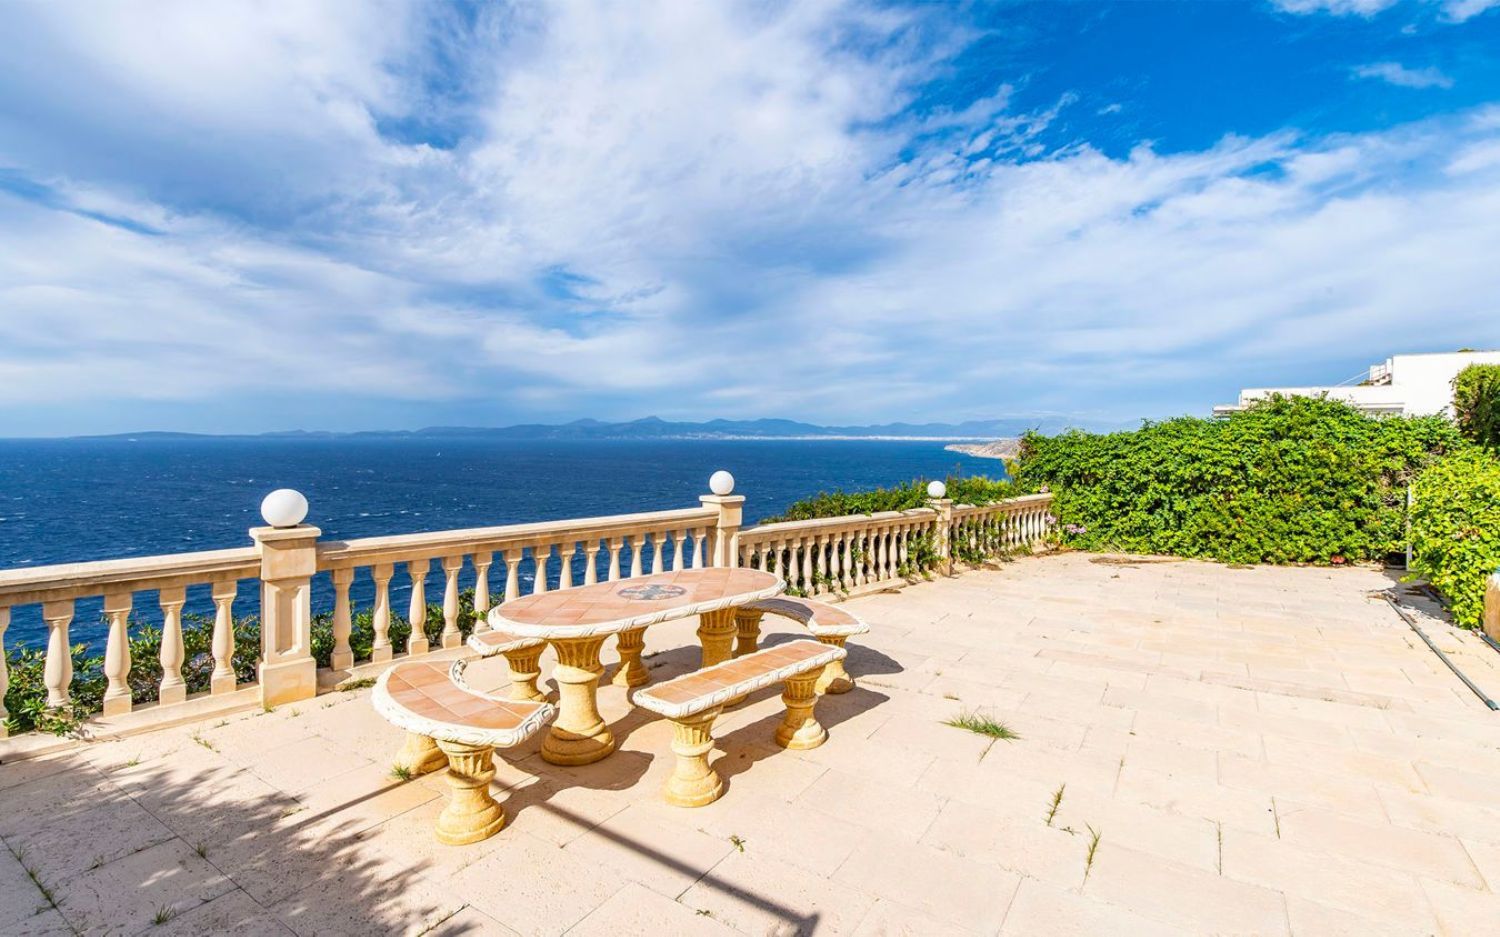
point(1289, 480)
point(26, 698)
point(1476, 404)
point(1455, 529)
point(975, 489)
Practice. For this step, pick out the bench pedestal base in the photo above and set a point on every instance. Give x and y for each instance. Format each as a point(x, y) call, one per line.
point(525, 669)
point(472, 814)
point(835, 678)
point(419, 755)
point(800, 730)
point(693, 782)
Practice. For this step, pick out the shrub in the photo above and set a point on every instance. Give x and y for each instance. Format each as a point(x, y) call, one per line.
point(1289, 480)
point(977, 489)
point(1455, 529)
point(1476, 404)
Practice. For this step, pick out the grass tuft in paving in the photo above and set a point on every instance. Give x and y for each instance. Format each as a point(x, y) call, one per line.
point(981, 723)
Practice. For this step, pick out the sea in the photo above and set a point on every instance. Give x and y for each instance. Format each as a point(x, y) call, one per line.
point(71, 500)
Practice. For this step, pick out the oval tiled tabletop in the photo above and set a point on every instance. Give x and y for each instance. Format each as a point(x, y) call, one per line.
point(624, 604)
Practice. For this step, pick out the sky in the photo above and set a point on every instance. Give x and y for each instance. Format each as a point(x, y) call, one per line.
point(240, 217)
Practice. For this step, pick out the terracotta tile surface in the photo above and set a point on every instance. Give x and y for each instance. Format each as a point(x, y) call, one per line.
point(612, 606)
point(427, 690)
point(733, 675)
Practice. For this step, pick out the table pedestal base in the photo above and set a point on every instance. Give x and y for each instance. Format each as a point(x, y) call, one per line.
point(578, 736)
point(631, 671)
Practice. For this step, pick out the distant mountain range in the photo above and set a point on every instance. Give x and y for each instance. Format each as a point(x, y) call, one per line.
point(655, 428)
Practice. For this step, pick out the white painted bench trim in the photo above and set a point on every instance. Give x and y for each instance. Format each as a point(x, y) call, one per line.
point(400, 716)
point(806, 612)
point(645, 700)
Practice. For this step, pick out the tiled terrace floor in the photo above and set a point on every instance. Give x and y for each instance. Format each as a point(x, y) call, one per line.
point(1259, 751)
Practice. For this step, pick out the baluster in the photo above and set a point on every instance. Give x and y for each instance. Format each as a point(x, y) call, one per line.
point(656, 566)
point(615, 545)
point(416, 610)
point(452, 566)
point(845, 577)
point(342, 657)
point(58, 674)
point(541, 558)
point(591, 554)
point(565, 553)
point(635, 555)
point(820, 564)
point(223, 679)
point(677, 536)
point(702, 535)
point(4, 670)
point(173, 687)
point(380, 648)
point(512, 560)
point(117, 700)
point(482, 561)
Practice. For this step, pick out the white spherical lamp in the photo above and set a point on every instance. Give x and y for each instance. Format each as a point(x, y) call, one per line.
point(721, 483)
point(284, 507)
point(936, 489)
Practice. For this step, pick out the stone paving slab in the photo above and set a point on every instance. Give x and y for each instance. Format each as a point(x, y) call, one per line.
point(1198, 750)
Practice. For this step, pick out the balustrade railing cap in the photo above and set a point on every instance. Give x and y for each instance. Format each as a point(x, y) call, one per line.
point(281, 534)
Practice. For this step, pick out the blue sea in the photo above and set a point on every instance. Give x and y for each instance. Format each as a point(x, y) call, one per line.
point(65, 501)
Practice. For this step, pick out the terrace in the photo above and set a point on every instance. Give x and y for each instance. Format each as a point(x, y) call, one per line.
point(1196, 748)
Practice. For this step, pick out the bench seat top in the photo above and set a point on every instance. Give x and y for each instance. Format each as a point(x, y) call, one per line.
point(490, 643)
point(692, 693)
point(820, 618)
point(432, 699)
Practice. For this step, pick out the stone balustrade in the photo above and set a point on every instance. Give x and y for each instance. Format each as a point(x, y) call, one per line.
point(862, 552)
point(977, 531)
point(289, 554)
point(839, 554)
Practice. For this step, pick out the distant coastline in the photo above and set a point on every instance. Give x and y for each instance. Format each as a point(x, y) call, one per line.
point(969, 431)
point(996, 449)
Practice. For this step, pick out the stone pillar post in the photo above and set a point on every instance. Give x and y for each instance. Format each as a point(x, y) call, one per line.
point(1492, 606)
point(724, 550)
point(938, 500)
point(288, 560)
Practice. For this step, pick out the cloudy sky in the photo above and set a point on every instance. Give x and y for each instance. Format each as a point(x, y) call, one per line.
point(233, 216)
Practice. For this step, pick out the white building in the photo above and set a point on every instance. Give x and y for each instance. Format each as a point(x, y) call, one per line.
point(1408, 385)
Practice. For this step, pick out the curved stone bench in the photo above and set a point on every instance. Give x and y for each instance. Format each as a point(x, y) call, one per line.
point(523, 655)
point(830, 624)
point(694, 700)
point(449, 722)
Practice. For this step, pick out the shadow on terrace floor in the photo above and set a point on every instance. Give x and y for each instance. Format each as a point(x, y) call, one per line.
point(185, 842)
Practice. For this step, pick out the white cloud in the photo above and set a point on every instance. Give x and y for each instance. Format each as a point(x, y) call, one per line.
point(693, 209)
point(1397, 74)
point(1460, 11)
point(1365, 8)
point(1453, 11)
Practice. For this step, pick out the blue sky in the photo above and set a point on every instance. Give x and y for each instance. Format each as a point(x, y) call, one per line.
point(236, 217)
